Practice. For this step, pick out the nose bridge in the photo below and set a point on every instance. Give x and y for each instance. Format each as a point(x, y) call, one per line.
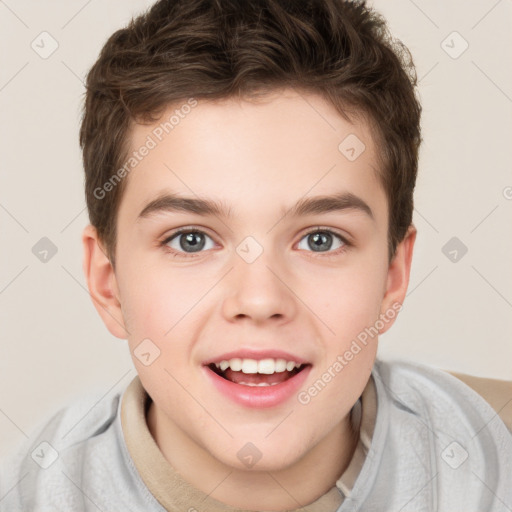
point(256, 288)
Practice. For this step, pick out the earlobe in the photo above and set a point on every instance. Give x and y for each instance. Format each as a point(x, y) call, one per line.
point(102, 283)
point(398, 278)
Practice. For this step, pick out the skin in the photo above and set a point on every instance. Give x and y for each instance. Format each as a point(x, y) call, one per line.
point(258, 158)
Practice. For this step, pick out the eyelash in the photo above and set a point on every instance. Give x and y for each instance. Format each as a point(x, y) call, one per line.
point(319, 229)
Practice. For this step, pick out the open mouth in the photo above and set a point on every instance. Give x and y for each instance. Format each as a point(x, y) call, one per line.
point(251, 372)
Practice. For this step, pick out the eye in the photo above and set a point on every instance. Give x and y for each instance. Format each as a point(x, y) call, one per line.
point(188, 241)
point(324, 240)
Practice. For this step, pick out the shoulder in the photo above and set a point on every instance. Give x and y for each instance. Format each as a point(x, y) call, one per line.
point(416, 396)
point(497, 393)
point(418, 381)
point(443, 441)
point(440, 391)
point(43, 470)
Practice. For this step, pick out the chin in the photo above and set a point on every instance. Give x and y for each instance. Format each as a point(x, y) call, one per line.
point(259, 455)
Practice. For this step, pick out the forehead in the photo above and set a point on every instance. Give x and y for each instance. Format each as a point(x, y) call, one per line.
point(258, 153)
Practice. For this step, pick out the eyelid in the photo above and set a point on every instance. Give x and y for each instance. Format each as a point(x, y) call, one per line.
point(345, 237)
point(186, 229)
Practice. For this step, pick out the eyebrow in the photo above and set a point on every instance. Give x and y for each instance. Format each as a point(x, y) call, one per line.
point(168, 203)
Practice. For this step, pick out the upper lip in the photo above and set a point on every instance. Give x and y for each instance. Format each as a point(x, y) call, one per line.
point(257, 355)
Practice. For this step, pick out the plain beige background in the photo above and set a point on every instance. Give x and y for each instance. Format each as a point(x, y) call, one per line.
point(458, 314)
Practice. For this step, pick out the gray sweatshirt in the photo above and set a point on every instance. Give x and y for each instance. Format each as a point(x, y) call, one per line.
point(436, 446)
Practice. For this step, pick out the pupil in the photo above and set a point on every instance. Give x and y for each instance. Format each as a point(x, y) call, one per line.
point(320, 241)
point(192, 240)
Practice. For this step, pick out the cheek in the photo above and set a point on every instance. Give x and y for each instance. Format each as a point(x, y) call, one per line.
point(347, 301)
point(155, 300)
point(167, 308)
point(350, 308)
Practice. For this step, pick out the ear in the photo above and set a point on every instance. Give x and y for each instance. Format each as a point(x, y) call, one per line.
point(102, 284)
point(398, 279)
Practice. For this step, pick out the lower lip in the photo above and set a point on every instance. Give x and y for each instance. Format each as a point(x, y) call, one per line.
point(259, 397)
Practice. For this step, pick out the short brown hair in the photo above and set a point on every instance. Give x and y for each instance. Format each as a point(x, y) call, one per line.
point(215, 49)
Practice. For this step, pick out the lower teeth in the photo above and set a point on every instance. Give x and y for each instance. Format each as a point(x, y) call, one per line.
point(257, 384)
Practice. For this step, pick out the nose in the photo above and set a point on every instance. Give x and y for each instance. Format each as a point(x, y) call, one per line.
point(259, 292)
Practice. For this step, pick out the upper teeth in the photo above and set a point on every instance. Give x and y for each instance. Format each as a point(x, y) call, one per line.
point(266, 366)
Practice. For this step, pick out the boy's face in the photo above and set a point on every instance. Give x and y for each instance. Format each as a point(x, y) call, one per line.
point(252, 283)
